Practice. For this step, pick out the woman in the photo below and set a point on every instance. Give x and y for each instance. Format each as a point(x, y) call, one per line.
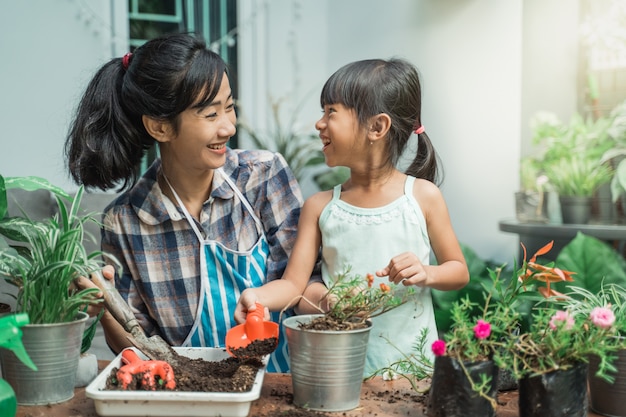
point(205, 221)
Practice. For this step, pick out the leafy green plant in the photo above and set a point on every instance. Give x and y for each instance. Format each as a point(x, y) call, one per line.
point(616, 155)
point(578, 176)
point(42, 258)
point(353, 300)
point(569, 155)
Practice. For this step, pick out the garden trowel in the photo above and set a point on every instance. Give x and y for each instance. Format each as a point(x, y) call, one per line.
point(255, 330)
point(154, 347)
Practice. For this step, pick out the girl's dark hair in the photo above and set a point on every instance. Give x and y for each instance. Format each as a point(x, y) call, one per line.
point(164, 77)
point(375, 86)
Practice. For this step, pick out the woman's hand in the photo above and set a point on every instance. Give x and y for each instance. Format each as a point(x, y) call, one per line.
point(108, 272)
point(406, 268)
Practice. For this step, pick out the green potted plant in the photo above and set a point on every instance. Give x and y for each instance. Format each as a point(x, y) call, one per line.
point(531, 201)
point(552, 352)
point(476, 349)
point(42, 259)
point(606, 394)
point(574, 158)
point(616, 155)
point(576, 179)
point(327, 351)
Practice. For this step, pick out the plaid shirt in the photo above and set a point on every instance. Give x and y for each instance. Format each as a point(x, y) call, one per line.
point(159, 252)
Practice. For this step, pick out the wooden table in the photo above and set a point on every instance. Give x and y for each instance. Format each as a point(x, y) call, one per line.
point(378, 398)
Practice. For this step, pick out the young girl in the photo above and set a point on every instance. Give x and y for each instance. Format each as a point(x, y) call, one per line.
point(380, 220)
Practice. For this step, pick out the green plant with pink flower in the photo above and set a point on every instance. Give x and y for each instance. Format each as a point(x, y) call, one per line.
point(572, 328)
point(559, 339)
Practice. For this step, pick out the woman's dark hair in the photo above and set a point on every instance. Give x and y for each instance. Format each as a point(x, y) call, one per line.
point(162, 78)
point(376, 86)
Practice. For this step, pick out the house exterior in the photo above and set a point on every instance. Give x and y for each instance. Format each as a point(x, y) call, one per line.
point(486, 66)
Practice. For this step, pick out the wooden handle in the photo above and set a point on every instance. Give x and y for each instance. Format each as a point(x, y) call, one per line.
point(114, 303)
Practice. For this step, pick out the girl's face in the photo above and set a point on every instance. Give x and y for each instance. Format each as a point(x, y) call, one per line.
point(339, 130)
point(203, 132)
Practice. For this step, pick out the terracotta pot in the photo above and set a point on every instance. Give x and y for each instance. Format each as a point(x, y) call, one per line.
point(451, 392)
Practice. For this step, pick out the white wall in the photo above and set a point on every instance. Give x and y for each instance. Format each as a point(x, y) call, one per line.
point(49, 51)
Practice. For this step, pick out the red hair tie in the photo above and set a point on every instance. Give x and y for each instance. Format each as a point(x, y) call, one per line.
point(419, 130)
point(126, 60)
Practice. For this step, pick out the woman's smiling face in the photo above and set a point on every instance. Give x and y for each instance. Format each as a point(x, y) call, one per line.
point(204, 131)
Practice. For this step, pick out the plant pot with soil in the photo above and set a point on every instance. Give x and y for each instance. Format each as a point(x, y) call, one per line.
point(327, 351)
point(42, 259)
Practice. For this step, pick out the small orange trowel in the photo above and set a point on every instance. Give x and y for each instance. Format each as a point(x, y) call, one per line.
point(256, 331)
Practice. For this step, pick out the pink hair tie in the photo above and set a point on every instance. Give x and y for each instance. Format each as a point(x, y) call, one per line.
point(126, 60)
point(419, 130)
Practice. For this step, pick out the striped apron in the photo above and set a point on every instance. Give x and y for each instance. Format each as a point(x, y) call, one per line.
point(225, 273)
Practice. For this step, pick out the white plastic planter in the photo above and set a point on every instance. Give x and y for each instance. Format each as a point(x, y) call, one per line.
point(172, 403)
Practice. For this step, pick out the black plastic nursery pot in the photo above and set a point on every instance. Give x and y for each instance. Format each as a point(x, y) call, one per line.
point(451, 392)
point(608, 398)
point(555, 394)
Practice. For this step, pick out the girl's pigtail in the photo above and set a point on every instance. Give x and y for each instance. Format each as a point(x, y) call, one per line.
point(426, 162)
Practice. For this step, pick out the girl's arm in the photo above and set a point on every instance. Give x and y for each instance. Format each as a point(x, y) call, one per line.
point(311, 301)
point(281, 293)
point(451, 271)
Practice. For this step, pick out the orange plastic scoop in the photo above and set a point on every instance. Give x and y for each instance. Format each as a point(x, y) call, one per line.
point(255, 337)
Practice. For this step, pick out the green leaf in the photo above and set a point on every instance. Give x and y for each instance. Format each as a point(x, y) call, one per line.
point(594, 261)
point(34, 183)
point(3, 198)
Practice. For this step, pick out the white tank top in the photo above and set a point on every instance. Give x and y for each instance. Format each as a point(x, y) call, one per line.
point(366, 239)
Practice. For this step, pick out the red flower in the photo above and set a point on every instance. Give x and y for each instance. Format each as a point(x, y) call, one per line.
point(482, 330)
point(384, 287)
point(439, 347)
point(370, 280)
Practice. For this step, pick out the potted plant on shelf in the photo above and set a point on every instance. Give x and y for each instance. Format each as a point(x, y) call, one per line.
point(42, 259)
point(327, 351)
point(531, 201)
point(576, 179)
point(583, 142)
point(616, 155)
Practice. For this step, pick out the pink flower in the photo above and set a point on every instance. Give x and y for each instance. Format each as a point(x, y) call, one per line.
point(482, 330)
point(561, 316)
point(602, 317)
point(439, 347)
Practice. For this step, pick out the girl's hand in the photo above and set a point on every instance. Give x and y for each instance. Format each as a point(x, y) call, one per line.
point(247, 302)
point(406, 268)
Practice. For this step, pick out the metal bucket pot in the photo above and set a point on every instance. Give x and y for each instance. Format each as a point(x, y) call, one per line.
point(326, 366)
point(55, 349)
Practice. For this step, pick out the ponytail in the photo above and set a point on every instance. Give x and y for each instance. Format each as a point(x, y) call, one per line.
point(104, 146)
point(426, 162)
point(162, 78)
